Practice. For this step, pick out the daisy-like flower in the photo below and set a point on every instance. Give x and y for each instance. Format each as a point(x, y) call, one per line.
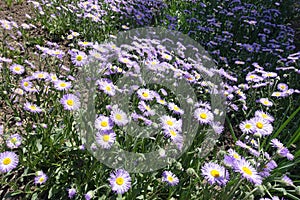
point(268, 168)
point(85, 44)
point(287, 180)
point(161, 101)
point(40, 177)
point(62, 85)
point(276, 143)
point(52, 77)
point(253, 78)
point(89, 195)
point(215, 173)
point(269, 75)
point(8, 161)
point(14, 141)
point(32, 108)
point(247, 171)
point(103, 123)
point(147, 111)
point(17, 69)
point(166, 56)
point(145, 94)
point(231, 158)
point(173, 107)
point(173, 134)
point(278, 94)
point(119, 117)
point(170, 178)
point(70, 102)
point(40, 75)
point(264, 115)
point(107, 87)
point(120, 181)
point(106, 139)
point(79, 58)
point(217, 127)
point(282, 86)
point(71, 192)
point(247, 126)
point(26, 84)
point(170, 123)
point(265, 102)
point(261, 126)
point(281, 149)
point(203, 115)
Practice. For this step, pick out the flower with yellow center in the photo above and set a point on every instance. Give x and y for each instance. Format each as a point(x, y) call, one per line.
point(118, 116)
point(79, 58)
point(120, 180)
point(106, 137)
point(203, 115)
point(6, 161)
point(70, 102)
point(259, 125)
point(62, 84)
point(170, 123)
point(145, 94)
point(247, 170)
point(215, 173)
point(104, 123)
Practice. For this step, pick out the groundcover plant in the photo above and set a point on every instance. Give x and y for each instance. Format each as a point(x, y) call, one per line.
point(149, 99)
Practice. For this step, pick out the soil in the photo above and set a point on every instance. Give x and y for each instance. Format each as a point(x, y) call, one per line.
point(16, 12)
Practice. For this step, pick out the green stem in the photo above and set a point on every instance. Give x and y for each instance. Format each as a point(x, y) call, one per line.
point(231, 129)
point(231, 194)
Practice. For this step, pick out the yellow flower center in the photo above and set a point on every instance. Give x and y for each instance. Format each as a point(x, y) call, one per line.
point(79, 58)
point(32, 107)
point(247, 170)
point(104, 124)
point(252, 76)
point(25, 84)
point(266, 102)
point(236, 156)
point(108, 88)
point(70, 102)
point(248, 126)
point(176, 108)
point(54, 78)
point(145, 94)
point(170, 123)
point(106, 138)
point(119, 181)
point(264, 116)
point(63, 84)
point(125, 60)
point(162, 101)
point(167, 56)
point(173, 133)
point(13, 140)
point(215, 173)
point(17, 69)
point(203, 115)
point(170, 179)
point(41, 179)
point(6, 161)
point(40, 75)
point(148, 108)
point(259, 125)
point(118, 116)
